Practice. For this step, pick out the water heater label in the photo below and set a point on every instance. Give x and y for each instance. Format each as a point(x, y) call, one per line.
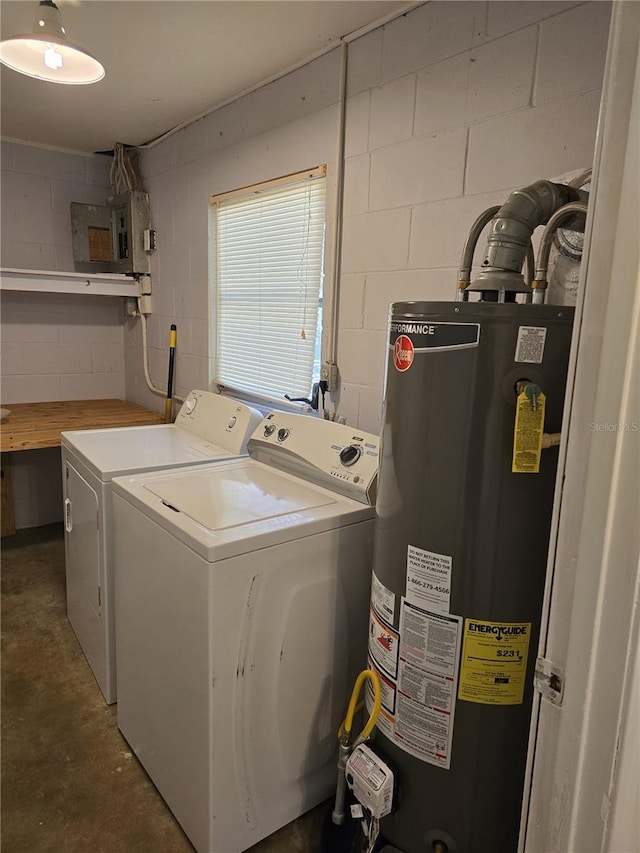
point(427, 678)
point(428, 579)
point(494, 662)
point(382, 599)
point(528, 434)
point(383, 644)
point(407, 336)
point(418, 705)
point(387, 687)
point(530, 344)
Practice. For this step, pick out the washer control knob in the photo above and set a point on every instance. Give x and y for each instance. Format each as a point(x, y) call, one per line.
point(350, 455)
point(190, 404)
point(232, 422)
point(269, 430)
point(283, 434)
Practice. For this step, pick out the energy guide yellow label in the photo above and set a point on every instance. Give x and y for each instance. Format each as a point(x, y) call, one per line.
point(494, 662)
point(527, 437)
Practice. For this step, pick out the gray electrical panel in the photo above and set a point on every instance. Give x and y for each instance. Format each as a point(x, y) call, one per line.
point(116, 237)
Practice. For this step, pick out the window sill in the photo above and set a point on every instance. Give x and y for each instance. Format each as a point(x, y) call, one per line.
point(264, 403)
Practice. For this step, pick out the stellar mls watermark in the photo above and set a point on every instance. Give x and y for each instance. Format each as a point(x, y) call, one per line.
point(603, 426)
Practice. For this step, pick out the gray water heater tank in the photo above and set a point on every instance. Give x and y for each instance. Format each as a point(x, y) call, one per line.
point(460, 555)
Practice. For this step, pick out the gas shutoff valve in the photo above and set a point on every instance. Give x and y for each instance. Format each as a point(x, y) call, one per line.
point(531, 390)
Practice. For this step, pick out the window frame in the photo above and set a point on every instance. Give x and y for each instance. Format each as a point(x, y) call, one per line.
point(264, 399)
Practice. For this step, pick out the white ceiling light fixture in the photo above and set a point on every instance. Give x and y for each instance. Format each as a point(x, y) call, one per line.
point(47, 55)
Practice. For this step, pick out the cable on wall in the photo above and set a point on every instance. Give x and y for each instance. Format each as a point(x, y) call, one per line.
point(124, 173)
point(145, 361)
point(332, 336)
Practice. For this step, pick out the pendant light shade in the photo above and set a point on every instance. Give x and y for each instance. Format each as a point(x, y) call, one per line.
point(47, 55)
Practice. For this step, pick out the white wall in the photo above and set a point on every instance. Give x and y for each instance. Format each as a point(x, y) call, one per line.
point(585, 786)
point(56, 347)
point(624, 819)
point(450, 108)
point(52, 346)
point(284, 127)
point(38, 186)
point(61, 347)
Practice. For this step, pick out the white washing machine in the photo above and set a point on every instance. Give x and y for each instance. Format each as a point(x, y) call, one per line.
point(208, 427)
point(242, 594)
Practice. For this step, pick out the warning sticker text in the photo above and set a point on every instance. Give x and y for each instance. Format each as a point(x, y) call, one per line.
point(382, 599)
point(428, 579)
point(383, 644)
point(530, 344)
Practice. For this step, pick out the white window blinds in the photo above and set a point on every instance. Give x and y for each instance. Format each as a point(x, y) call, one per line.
point(268, 245)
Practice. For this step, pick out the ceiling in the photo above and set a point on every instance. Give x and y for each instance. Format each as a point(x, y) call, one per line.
point(167, 61)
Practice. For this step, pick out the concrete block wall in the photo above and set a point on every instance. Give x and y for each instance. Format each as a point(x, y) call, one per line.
point(55, 347)
point(52, 346)
point(449, 109)
point(38, 185)
point(61, 347)
point(286, 126)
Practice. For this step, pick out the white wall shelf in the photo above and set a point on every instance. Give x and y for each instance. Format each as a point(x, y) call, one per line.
point(47, 281)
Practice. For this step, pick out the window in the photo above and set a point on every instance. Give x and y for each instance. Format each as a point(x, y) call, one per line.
point(267, 273)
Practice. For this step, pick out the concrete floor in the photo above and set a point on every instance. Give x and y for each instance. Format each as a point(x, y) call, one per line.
point(69, 780)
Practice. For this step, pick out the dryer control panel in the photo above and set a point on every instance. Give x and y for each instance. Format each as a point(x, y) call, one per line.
point(220, 420)
point(333, 455)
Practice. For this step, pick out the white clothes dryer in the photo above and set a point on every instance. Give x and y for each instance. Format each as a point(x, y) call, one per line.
point(208, 427)
point(242, 595)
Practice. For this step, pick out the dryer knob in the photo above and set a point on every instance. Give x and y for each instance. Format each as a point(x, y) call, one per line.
point(283, 434)
point(350, 455)
point(269, 430)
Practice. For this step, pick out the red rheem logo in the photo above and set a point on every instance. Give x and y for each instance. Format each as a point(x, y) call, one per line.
point(403, 353)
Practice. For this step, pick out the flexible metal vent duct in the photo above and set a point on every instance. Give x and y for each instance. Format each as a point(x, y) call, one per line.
point(510, 236)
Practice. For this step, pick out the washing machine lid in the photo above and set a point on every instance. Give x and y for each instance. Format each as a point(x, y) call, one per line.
point(111, 453)
point(236, 506)
point(234, 497)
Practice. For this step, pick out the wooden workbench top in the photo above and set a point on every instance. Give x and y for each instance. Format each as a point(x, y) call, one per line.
point(35, 425)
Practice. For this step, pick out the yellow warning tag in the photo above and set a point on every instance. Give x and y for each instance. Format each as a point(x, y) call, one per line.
point(494, 662)
point(527, 436)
